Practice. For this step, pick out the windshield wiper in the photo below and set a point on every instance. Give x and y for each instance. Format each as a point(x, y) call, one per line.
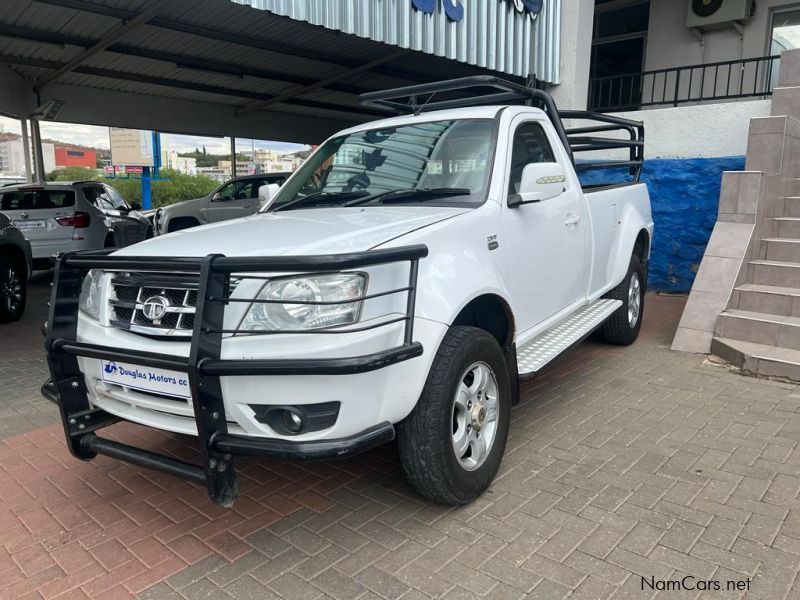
point(411, 194)
point(344, 196)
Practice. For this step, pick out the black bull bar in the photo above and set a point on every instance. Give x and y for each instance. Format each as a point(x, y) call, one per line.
point(204, 366)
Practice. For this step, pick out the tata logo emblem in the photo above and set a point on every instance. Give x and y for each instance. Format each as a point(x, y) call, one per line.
point(155, 307)
point(455, 11)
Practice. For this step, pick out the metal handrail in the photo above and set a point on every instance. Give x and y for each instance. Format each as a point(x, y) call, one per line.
point(697, 83)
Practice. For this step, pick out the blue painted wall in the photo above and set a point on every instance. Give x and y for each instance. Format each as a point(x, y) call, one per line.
point(684, 194)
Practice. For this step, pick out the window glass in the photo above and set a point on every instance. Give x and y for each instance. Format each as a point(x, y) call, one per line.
point(37, 199)
point(96, 194)
point(785, 31)
point(431, 155)
point(116, 200)
point(237, 190)
point(530, 146)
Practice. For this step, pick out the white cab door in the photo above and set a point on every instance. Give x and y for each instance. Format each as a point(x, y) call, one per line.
point(545, 243)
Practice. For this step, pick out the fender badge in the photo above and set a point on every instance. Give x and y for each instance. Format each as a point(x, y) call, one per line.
point(492, 242)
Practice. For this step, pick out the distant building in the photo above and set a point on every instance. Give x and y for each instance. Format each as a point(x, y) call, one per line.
point(242, 168)
point(183, 164)
point(12, 157)
point(71, 156)
point(214, 173)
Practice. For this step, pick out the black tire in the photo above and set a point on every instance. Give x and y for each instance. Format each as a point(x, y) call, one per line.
point(13, 289)
point(425, 437)
point(181, 223)
point(618, 329)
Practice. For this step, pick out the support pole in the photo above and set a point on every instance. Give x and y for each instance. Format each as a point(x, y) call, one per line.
point(26, 150)
point(38, 157)
point(233, 156)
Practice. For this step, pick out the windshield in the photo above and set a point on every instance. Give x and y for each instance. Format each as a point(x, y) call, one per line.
point(439, 163)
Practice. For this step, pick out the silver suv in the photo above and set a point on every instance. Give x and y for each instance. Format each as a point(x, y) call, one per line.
point(233, 199)
point(15, 268)
point(61, 216)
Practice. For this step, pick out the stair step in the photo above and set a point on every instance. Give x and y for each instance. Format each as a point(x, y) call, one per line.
point(771, 299)
point(788, 227)
point(792, 206)
point(782, 249)
point(760, 328)
point(544, 348)
point(776, 272)
point(759, 359)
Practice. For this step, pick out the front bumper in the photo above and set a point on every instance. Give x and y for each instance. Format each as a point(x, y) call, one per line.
point(205, 366)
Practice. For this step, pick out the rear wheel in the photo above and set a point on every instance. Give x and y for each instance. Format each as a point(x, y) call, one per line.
point(13, 292)
point(453, 441)
point(624, 325)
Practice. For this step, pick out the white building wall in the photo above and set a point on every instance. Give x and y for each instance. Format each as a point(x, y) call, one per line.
point(671, 44)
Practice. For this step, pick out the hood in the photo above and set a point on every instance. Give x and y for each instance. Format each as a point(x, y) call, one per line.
point(296, 232)
point(184, 203)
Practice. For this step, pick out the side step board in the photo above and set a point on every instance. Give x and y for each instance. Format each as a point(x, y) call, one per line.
point(546, 347)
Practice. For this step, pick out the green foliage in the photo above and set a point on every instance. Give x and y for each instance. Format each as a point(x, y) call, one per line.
point(72, 174)
point(179, 187)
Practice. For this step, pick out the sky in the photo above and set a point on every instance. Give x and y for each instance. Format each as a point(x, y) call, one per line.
point(97, 137)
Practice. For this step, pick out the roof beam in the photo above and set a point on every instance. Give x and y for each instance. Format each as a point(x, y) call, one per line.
point(109, 38)
point(261, 104)
point(296, 51)
point(187, 85)
point(198, 64)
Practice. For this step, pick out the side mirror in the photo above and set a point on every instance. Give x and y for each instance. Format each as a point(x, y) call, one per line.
point(215, 197)
point(135, 206)
point(267, 193)
point(540, 181)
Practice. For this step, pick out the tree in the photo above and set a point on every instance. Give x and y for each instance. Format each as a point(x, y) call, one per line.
point(204, 150)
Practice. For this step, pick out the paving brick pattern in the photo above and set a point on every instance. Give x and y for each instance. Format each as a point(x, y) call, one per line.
point(622, 463)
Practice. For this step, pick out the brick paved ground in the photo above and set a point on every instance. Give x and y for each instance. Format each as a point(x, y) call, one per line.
point(622, 463)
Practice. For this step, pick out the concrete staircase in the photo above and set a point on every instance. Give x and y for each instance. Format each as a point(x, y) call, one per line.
point(745, 302)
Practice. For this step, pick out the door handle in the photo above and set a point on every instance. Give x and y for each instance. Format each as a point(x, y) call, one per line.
point(573, 220)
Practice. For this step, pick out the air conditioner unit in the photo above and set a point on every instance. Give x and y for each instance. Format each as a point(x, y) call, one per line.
point(709, 14)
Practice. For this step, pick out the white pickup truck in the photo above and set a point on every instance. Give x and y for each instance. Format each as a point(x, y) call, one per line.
point(399, 285)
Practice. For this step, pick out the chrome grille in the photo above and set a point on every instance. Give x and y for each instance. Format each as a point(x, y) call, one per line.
point(173, 300)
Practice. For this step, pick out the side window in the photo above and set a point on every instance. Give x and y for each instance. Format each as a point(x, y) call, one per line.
point(238, 190)
point(116, 200)
point(530, 146)
point(96, 194)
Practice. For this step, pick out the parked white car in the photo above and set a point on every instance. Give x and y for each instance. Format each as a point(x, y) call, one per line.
point(399, 285)
point(63, 216)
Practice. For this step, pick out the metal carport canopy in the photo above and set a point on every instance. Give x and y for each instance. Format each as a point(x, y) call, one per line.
point(208, 67)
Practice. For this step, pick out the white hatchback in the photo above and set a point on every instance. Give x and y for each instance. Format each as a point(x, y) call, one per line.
point(65, 216)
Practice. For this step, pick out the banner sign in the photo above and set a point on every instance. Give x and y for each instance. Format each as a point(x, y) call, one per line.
point(455, 11)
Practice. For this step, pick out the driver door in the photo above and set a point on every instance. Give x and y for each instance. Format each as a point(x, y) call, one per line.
point(234, 200)
point(545, 242)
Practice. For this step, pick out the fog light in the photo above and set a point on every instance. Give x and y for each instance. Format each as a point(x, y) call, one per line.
point(292, 421)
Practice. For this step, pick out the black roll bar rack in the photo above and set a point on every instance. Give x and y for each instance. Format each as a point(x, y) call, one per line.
point(465, 92)
point(68, 386)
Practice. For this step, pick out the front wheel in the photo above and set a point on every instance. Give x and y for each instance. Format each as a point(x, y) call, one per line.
point(624, 325)
point(13, 276)
point(453, 441)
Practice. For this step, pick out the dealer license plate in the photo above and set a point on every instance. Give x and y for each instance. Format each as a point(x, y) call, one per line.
point(147, 379)
point(34, 224)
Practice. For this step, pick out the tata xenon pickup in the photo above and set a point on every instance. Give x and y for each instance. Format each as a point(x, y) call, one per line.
point(397, 286)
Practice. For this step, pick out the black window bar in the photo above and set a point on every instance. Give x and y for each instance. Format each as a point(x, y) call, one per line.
point(466, 92)
point(204, 366)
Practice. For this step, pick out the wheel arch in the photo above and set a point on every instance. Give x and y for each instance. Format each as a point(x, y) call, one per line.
point(17, 255)
point(491, 313)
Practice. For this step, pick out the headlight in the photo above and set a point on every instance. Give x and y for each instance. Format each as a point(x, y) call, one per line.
point(321, 288)
point(91, 292)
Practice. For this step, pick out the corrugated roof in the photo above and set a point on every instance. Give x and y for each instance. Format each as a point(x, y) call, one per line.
point(221, 52)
